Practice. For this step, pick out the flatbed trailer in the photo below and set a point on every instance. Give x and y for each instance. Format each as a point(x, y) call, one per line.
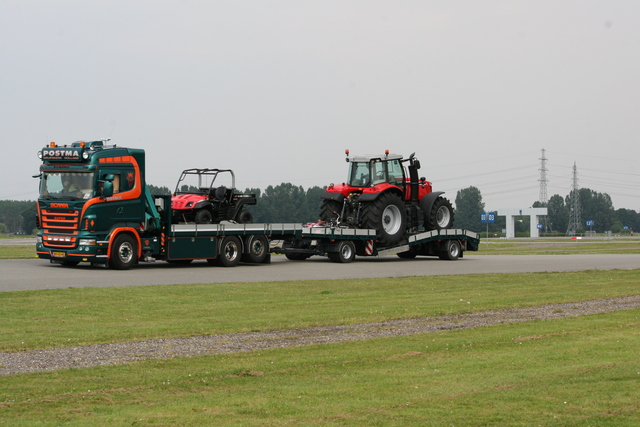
point(343, 244)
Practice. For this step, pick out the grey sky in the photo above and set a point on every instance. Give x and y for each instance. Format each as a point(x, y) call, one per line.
point(276, 90)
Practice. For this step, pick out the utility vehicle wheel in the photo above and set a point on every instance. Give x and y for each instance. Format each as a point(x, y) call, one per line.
point(297, 257)
point(441, 215)
point(387, 216)
point(244, 217)
point(346, 252)
point(258, 249)
point(203, 216)
point(124, 252)
point(330, 210)
point(452, 251)
point(230, 252)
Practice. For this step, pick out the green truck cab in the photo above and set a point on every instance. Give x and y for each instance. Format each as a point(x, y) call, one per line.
point(94, 205)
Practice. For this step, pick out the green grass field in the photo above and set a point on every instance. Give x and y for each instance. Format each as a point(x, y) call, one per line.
point(570, 372)
point(17, 252)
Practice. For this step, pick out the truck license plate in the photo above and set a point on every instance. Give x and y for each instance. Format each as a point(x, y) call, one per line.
point(59, 254)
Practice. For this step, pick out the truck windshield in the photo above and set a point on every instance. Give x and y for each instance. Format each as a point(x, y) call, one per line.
point(67, 185)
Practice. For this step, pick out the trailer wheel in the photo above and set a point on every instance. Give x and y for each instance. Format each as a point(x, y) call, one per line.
point(346, 252)
point(244, 217)
point(452, 252)
point(123, 253)
point(203, 216)
point(441, 215)
point(258, 249)
point(230, 252)
point(387, 216)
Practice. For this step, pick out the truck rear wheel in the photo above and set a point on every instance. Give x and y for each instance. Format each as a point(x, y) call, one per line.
point(123, 253)
point(441, 215)
point(346, 252)
point(452, 250)
point(258, 247)
point(230, 252)
point(387, 216)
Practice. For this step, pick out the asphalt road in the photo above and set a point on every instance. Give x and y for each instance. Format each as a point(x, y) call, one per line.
point(36, 274)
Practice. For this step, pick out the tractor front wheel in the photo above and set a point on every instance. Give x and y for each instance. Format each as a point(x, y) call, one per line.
point(387, 216)
point(441, 215)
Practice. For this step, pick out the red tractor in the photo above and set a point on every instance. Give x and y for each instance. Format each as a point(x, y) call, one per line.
point(381, 195)
point(206, 200)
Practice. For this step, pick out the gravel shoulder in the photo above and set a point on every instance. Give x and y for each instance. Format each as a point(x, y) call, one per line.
point(120, 353)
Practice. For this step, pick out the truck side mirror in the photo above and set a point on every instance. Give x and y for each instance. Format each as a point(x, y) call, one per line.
point(107, 185)
point(107, 189)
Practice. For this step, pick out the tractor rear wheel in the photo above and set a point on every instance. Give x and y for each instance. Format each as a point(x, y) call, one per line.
point(330, 210)
point(441, 215)
point(387, 216)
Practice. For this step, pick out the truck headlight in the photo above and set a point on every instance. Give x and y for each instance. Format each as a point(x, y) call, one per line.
point(87, 242)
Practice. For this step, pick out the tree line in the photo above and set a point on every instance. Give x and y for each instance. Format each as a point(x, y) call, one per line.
point(594, 206)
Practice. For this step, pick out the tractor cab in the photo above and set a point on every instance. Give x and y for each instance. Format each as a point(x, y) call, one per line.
point(368, 171)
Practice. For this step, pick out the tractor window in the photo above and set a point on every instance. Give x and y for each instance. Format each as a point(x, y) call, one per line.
point(359, 174)
point(396, 172)
point(379, 174)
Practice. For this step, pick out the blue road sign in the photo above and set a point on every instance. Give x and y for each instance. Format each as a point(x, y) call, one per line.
point(488, 217)
point(590, 223)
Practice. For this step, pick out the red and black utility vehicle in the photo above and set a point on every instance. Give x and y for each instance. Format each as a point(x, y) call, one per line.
point(202, 197)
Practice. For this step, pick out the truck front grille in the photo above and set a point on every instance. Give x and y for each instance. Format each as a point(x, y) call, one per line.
point(60, 227)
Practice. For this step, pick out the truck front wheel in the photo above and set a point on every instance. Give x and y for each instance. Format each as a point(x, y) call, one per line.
point(124, 252)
